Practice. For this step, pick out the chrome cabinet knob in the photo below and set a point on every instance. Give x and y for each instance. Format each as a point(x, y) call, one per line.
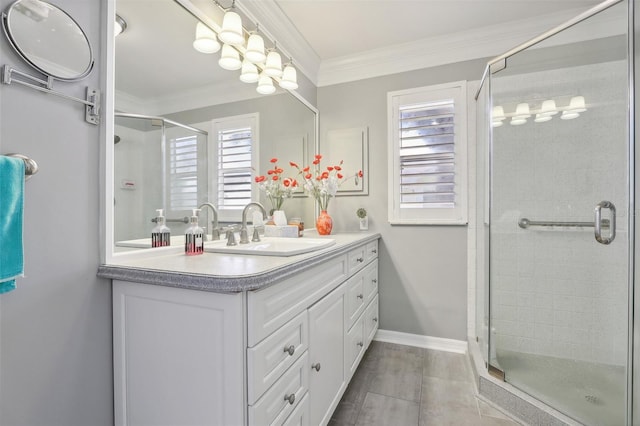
point(374, 251)
point(315, 366)
point(360, 344)
point(360, 296)
point(290, 350)
point(374, 280)
point(290, 398)
point(375, 319)
point(360, 259)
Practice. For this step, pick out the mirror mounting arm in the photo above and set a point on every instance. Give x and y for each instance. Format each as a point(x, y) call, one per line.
point(92, 101)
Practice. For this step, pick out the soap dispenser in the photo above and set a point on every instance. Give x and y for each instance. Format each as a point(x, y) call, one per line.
point(193, 236)
point(160, 234)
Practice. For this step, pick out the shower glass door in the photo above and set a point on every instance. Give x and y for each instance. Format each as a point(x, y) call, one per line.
point(559, 213)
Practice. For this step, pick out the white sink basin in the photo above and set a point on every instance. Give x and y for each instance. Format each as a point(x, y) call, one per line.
point(271, 246)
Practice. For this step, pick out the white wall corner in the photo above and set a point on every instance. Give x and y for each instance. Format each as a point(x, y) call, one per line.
point(466, 45)
point(279, 27)
point(420, 341)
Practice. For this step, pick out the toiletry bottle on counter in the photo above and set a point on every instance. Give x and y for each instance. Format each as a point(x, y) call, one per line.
point(160, 234)
point(193, 236)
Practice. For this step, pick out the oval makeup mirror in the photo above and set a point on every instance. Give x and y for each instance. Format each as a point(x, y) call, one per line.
point(48, 39)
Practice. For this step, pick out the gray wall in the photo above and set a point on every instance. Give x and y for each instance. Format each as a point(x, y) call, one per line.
point(423, 269)
point(55, 329)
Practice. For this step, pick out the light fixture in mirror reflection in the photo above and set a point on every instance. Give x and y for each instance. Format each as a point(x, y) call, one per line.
point(48, 39)
point(147, 164)
point(543, 113)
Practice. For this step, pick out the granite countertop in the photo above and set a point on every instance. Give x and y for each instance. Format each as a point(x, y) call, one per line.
point(223, 273)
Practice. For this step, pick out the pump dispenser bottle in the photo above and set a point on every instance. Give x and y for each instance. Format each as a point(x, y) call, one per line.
point(160, 234)
point(193, 236)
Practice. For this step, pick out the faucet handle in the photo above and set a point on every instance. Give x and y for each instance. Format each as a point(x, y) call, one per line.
point(215, 233)
point(231, 238)
point(256, 235)
point(244, 235)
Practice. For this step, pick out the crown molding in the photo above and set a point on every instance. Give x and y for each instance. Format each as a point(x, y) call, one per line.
point(466, 45)
point(277, 26)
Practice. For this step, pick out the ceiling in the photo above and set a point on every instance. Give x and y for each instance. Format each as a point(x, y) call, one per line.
point(336, 28)
point(165, 64)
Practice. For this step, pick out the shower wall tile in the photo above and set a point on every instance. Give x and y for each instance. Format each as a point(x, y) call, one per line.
point(557, 292)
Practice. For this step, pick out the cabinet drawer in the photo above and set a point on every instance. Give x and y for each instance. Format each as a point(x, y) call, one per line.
point(274, 355)
point(300, 416)
point(275, 406)
point(371, 321)
point(355, 291)
point(356, 259)
point(354, 349)
point(371, 251)
point(270, 308)
point(370, 282)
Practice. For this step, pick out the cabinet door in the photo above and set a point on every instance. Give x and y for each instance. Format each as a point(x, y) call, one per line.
point(326, 350)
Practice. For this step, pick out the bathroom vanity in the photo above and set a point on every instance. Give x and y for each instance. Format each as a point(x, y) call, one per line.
point(222, 339)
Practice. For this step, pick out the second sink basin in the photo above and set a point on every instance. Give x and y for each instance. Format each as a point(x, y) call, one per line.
point(271, 246)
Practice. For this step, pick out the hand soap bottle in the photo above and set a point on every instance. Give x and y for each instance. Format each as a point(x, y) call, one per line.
point(193, 236)
point(160, 234)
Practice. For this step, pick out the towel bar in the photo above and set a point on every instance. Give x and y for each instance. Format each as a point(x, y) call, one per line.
point(30, 166)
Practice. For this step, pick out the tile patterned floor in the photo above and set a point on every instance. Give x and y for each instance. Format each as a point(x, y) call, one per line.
point(399, 385)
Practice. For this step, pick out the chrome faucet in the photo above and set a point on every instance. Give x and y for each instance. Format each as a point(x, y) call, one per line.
point(215, 232)
point(244, 234)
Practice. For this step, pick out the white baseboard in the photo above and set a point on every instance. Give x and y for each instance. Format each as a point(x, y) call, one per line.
point(427, 342)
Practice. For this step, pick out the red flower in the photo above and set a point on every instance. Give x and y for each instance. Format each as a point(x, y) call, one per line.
point(316, 162)
point(325, 175)
point(306, 169)
point(275, 178)
point(286, 182)
point(329, 168)
point(318, 157)
point(269, 172)
point(339, 176)
point(274, 160)
point(294, 182)
point(307, 176)
point(292, 164)
point(360, 174)
point(278, 170)
point(338, 168)
point(260, 179)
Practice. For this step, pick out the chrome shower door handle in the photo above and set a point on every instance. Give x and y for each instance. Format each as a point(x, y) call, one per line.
point(598, 222)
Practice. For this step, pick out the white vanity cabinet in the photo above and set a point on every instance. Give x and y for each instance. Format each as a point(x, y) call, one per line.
point(279, 355)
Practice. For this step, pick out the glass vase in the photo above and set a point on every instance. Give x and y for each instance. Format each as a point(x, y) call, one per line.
point(324, 223)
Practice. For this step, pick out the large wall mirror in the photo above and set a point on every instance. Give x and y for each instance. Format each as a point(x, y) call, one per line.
point(174, 108)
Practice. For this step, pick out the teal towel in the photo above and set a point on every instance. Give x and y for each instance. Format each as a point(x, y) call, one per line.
point(11, 208)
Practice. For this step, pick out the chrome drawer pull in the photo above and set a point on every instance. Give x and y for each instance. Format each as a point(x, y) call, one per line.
point(290, 350)
point(315, 366)
point(290, 398)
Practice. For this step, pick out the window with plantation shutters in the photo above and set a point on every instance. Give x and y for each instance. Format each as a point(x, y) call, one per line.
point(236, 146)
point(183, 173)
point(427, 157)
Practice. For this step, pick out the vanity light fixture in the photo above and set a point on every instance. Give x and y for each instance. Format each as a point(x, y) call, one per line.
point(273, 66)
point(249, 73)
point(546, 112)
point(289, 78)
point(119, 26)
point(548, 108)
point(229, 58)
point(265, 85)
point(206, 40)
point(497, 116)
point(576, 104)
point(255, 47)
point(232, 32)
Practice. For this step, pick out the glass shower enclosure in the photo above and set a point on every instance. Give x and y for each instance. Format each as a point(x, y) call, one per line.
point(554, 223)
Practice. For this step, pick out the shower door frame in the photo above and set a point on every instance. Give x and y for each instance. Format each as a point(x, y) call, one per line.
point(633, 343)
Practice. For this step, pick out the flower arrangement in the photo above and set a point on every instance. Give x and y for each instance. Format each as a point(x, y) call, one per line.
point(323, 183)
point(275, 186)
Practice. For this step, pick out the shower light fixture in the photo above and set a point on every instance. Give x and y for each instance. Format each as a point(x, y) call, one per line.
point(273, 67)
point(289, 79)
point(229, 58)
point(265, 85)
point(255, 48)
point(249, 73)
point(232, 32)
point(206, 40)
